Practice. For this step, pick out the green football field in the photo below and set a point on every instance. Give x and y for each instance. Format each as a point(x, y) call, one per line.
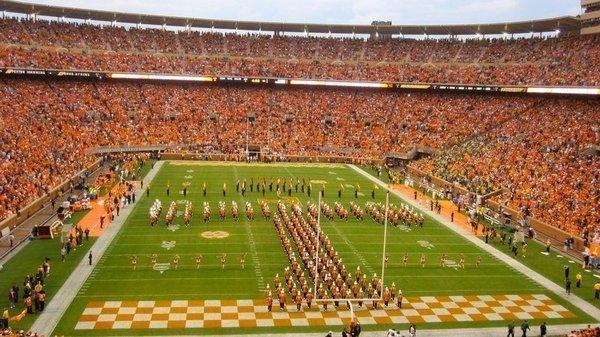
point(359, 243)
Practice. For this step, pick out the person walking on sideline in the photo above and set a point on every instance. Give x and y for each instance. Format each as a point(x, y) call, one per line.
point(568, 286)
point(578, 279)
point(511, 329)
point(543, 330)
point(597, 290)
point(524, 328)
point(90, 258)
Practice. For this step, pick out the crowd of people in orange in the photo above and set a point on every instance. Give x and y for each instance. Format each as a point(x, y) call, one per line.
point(541, 159)
point(50, 124)
point(534, 148)
point(567, 60)
point(588, 332)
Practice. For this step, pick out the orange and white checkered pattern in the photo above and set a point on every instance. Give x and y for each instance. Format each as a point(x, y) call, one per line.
point(254, 313)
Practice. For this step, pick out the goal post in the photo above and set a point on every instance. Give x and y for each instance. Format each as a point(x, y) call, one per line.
point(316, 270)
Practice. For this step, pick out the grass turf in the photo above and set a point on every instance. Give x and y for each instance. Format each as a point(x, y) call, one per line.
point(552, 265)
point(26, 261)
point(358, 243)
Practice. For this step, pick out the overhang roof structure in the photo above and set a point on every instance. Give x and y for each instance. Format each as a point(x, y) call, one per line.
point(563, 23)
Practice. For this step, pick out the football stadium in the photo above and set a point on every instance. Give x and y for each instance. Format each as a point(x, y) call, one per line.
point(185, 176)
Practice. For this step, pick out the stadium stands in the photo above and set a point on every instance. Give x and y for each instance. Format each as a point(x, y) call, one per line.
point(44, 44)
point(531, 147)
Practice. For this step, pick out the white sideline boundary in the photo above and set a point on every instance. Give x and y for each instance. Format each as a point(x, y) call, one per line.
point(553, 330)
point(518, 266)
point(47, 321)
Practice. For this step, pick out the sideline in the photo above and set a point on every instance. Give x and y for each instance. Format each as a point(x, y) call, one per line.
point(540, 279)
point(47, 321)
point(553, 330)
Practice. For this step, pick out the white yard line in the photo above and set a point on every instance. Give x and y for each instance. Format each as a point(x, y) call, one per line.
point(355, 251)
point(49, 318)
point(516, 265)
point(252, 243)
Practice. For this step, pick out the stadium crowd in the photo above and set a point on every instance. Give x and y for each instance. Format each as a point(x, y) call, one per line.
point(45, 138)
point(49, 125)
point(63, 45)
point(540, 159)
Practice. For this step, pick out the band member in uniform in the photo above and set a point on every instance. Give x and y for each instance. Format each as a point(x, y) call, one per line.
point(281, 298)
point(269, 302)
point(298, 300)
point(309, 298)
point(386, 297)
point(223, 260)
point(385, 261)
point(423, 260)
point(478, 261)
point(243, 260)
point(405, 259)
point(399, 299)
point(360, 297)
point(168, 188)
point(204, 189)
point(443, 260)
point(176, 261)
point(198, 261)
point(153, 259)
point(393, 291)
point(134, 261)
point(461, 262)
point(224, 189)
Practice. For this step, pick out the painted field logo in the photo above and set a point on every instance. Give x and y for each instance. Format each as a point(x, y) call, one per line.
point(190, 171)
point(188, 177)
point(425, 244)
point(173, 228)
point(404, 228)
point(214, 234)
point(168, 245)
point(161, 267)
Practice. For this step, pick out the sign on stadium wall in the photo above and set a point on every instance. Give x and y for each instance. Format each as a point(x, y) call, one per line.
point(299, 82)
